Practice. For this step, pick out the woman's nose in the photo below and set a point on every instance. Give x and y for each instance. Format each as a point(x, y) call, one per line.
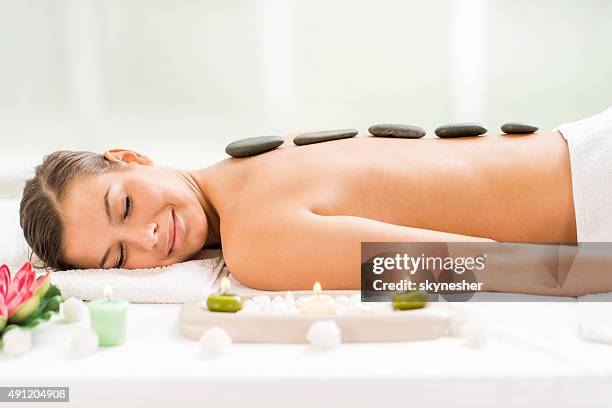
point(144, 237)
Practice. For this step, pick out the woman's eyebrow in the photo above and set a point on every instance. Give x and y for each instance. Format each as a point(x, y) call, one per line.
point(107, 206)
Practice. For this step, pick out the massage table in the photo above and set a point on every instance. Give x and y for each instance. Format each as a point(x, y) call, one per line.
point(534, 356)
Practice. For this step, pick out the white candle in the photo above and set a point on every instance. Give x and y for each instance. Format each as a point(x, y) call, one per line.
point(317, 304)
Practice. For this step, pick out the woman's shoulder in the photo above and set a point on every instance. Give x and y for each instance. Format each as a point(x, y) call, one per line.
point(249, 236)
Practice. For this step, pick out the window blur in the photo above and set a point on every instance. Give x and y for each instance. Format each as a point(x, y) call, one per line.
point(179, 79)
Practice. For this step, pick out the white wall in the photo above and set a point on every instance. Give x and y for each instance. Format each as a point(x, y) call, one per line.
point(181, 79)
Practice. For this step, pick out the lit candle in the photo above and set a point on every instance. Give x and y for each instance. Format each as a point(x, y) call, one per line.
point(317, 304)
point(109, 318)
point(409, 300)
point(224, 301)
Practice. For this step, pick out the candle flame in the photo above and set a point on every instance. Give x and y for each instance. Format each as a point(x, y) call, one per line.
point(225, 284)
point(316, 289)
point(108, 291)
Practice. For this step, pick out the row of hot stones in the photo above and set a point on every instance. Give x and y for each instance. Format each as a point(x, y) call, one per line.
point(252, 146)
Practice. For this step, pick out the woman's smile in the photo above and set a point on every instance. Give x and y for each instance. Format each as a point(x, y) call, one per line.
point(176, 232)
point(170, 233)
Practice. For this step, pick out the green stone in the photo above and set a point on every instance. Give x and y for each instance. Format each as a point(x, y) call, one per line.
point(397, 130)
point(224, 302)
point(518, 128)
point(324, 136)
point(409, 300)
point(252, 146)
point(467, 129)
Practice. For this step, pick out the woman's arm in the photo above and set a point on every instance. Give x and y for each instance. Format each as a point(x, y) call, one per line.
point(291, 251)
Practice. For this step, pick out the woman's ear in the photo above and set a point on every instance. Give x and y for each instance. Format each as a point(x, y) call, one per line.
point(126, 156)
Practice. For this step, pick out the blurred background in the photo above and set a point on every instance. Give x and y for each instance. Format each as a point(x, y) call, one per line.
point(179, 79)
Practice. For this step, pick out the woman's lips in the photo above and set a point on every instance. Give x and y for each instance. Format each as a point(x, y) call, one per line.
point(178, 232)
point(171, 231)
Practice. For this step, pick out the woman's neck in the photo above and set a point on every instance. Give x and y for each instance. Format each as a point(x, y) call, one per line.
point(213, 234)
point(218, 184)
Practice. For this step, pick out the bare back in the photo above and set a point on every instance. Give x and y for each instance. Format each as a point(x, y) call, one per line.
point(508, 188)
point(504, 188)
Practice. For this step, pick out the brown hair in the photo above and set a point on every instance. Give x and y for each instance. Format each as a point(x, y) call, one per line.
point(38, 213)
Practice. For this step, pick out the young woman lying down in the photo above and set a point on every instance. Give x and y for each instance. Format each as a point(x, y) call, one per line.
point(299, 213)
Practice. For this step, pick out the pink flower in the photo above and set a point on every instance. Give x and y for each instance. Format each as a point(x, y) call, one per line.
point(20, 295)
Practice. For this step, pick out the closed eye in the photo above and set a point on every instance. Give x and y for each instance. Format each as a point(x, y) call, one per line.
point(122, 251)
point(128, 206)
point(122, 256)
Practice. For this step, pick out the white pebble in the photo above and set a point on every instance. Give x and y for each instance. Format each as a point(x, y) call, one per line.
point(248, 303)
point(84, 342)
point(17, 342)
point(215, 342)
point(289, 299)
point(343, 300)
point(278, 300)
point(253, 306)
point(279, 309)
point(474, 334)
point(356, 298)
point(324, 334)
point(301, 301)
point(293, 311)
point(74, 310)
point(262, 300)
point(250, 309)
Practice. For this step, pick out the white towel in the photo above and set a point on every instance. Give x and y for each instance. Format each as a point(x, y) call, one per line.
point(13, 246)
point(237, 287)
point(178, 283)
point(595, 317)
point(590, 151)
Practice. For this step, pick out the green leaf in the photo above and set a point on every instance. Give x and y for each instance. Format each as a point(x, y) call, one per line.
point(49, 304)
point(52, 304)
point(31, 322)
point(52, 292)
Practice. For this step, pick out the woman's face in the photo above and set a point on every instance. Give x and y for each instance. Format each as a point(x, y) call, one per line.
point(137, 216)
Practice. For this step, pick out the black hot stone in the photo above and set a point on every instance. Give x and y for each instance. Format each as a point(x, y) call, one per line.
point(397, 130)
point(324, 136)
point(518, 128)
point(252, 146)
point(460, 130)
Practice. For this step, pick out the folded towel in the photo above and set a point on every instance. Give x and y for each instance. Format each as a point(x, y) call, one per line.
point(14, 250)
point(595, 317)
point(178, 283)
point(237, 287)
point(589, 142)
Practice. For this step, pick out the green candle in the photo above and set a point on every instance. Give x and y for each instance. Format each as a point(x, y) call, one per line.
point(224, 301)
point(409, 300)
point(109, 318)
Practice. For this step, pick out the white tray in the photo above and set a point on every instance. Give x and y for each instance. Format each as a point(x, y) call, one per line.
point(420, 324)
